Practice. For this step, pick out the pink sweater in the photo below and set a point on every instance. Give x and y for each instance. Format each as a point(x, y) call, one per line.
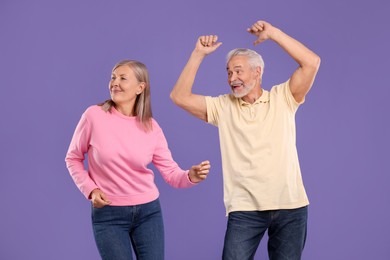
point(119, 151)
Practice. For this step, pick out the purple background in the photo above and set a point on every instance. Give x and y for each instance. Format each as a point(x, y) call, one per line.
point(55, 61)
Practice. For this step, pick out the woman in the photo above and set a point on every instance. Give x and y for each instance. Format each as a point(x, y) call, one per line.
point(121, 138)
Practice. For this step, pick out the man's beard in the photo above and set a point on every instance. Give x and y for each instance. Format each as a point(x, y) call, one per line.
point(245, 91)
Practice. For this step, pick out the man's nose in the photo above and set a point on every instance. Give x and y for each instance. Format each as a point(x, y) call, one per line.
point(233, 77)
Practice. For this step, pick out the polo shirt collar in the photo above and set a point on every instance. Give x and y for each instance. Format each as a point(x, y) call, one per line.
point(264, 98)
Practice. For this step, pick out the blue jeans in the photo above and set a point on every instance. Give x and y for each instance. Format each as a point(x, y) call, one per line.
point(119, 229)
point(286, 232)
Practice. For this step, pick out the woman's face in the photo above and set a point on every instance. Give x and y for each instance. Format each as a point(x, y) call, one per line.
point(124, 86)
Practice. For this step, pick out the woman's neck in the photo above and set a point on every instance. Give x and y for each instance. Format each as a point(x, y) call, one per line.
point(127, 110)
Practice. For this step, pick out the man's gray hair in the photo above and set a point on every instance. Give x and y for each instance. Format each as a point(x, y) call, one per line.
point(255, 59)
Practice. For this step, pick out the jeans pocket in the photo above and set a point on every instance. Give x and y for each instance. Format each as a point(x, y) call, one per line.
point(101, 214)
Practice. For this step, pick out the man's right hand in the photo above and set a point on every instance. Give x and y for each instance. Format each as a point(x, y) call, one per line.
point(207, 44)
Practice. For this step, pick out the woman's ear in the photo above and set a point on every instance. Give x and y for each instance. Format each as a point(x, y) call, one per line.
point(141, 88)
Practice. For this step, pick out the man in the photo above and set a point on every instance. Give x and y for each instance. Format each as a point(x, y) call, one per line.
point(263, 188)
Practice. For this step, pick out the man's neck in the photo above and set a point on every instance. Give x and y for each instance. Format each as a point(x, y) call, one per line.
point(253, 95)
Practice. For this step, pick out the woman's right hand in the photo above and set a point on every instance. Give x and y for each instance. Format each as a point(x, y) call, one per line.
point(99, 199)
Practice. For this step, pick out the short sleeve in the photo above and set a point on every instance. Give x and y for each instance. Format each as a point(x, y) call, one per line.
point(283, 91)
point(215, 107)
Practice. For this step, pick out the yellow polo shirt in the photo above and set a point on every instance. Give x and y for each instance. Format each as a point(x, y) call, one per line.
point(258, 147)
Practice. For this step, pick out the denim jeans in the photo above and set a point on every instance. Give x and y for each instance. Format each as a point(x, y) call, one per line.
point(119, 229)
point(286, 232)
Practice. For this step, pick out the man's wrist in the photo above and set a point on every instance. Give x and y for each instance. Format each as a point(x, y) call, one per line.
point(198, 55)
point(275, 34)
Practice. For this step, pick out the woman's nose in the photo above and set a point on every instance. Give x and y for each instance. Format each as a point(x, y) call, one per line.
point(115, 82)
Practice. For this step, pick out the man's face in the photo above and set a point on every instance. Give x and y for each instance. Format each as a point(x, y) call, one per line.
point(242, 78)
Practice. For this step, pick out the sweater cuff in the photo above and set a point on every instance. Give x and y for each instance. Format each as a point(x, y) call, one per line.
point(88, 190)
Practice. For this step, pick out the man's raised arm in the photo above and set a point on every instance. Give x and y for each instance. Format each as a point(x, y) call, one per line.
point(181, 93)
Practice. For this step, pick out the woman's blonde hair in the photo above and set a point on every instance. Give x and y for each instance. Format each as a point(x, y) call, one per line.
point(142, 106)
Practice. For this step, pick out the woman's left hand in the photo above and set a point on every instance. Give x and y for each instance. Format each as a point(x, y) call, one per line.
point(199, 172)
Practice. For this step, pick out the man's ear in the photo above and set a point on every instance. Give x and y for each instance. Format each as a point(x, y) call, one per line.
point(258, 71)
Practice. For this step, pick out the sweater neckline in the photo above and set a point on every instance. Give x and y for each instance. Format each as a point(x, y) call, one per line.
point(119, 114)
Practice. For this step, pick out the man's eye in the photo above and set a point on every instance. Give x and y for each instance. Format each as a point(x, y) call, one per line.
point(122, 78)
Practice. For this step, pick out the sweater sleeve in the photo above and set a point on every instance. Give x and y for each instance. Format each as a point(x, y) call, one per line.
point(169, 169)
point(76, 155)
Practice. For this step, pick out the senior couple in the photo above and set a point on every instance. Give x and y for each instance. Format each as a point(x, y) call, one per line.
point(263, 187)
